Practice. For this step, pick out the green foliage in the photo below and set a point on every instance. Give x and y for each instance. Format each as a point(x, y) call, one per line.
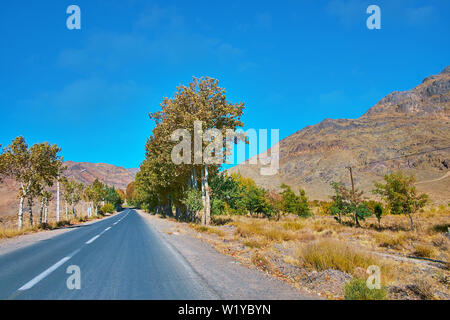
point(346, 202)
point(291, 203)
point(226, 189)
point(217, 206)
point(33, 168)
point(107, 208)
point(356, 289)
point(111, 196)
point(160, 180)
point(193, 200)
point(378, 211)
point(400, 194)
point(131, 194)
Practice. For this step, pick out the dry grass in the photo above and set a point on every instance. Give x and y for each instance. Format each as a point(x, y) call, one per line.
point(206, 229)
point(261, 262)
point(332, 254)
point(269, 230)
point(422, 288)
point(392, 240)
point(11, 232)
point(256, 243)
point(424, 251)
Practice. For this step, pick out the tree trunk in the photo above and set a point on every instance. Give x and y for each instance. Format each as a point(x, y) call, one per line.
point(30, 209)
point(203, 198)
point(356, 220)
point(20, 214)
point(57, 200)
point(74, 215)
point(67, 212)
point(411, 221)
point(46, 211)
point(207, 198)
point(41, 211)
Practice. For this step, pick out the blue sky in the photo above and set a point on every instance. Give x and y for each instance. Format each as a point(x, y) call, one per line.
point(293, 63)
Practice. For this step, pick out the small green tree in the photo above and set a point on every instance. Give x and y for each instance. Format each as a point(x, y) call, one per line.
point(401, 195)
point(346, 202)
point(291, 203)
point(378, 211)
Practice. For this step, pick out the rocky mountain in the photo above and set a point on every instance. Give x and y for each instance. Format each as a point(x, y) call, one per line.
point(87, 172)
point(412, 122)
point(84, 172)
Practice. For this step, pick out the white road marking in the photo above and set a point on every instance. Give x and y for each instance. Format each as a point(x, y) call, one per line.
point(93, 239)
point(44, 274)
point(47, 272)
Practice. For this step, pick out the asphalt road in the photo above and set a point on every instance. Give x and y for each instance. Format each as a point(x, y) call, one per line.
point(118, 258)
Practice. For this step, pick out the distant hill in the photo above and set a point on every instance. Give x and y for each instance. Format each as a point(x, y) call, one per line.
point(84, 172)
point(87, 172)
point(402, 123)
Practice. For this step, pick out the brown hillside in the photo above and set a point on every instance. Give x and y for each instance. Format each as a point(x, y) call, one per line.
point(84, 172)
point(400, 124)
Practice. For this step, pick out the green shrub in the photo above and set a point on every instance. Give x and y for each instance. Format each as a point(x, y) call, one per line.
point(107, 208)
point(356, 289)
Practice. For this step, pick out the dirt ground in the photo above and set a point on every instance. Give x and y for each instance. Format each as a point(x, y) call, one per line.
point(415, 263)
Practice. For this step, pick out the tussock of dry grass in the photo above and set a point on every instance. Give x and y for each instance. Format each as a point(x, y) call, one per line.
point(261, 262)
point(206, 229)
point(424, 251)
point(269, 230)
point(255, 243)
point(332, 254)
point(392, 240)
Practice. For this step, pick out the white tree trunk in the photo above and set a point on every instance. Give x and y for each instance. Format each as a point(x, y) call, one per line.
point(30, 209)
point(203, 198)
point(41, 211)
point(57, 200)
point(46, 212)
point(67, 212)
point(207, 198)
point(20, 215)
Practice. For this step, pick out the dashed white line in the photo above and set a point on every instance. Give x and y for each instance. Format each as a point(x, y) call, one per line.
point(44, 274)
point(93, 239)
point(47, 272)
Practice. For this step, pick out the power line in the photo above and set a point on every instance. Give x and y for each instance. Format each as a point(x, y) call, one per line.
point(406, 156)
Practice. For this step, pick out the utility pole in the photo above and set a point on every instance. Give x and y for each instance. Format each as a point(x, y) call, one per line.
point(57, 199)
point(353, 193)
point(351, 178)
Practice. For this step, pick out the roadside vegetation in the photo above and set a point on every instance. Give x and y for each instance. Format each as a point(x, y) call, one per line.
point(39, 173)
point(283, 232)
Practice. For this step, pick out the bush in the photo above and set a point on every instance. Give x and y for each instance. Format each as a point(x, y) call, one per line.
point(356, 289)
point(193, 200)
point(107, 208)
point(217, 206)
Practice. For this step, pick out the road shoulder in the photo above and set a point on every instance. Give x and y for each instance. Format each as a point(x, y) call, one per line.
point(223, 274)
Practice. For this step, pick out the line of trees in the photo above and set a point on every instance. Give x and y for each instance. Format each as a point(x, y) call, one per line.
point(398, 192)
point(36, 169)
point(163, 185)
